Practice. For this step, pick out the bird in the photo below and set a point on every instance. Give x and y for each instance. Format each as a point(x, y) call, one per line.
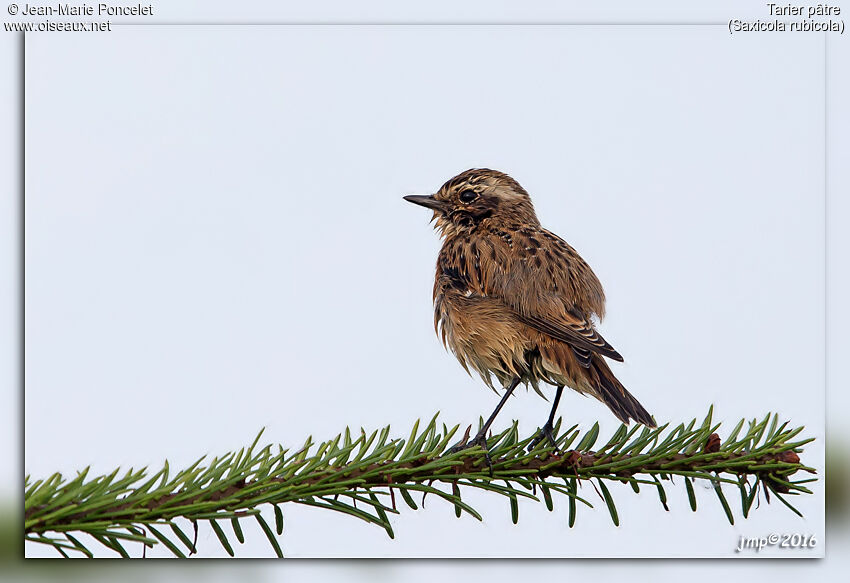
point(515, 302)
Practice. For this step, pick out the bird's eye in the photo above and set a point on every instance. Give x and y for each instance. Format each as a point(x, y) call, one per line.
point(468, 196)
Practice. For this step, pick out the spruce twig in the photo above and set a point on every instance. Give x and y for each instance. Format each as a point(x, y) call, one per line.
point(360, 477)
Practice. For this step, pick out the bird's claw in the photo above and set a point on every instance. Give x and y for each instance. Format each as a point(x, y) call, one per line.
point(479, 440)
point(544, 433)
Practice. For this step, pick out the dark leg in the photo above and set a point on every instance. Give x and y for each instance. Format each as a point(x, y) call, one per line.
point(481, 437)
point(546, 432)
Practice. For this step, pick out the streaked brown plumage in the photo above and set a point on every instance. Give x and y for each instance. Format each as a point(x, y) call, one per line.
point(514, 301)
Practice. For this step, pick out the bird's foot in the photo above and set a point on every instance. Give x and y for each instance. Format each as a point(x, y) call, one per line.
point(544, 433)
point(479, 440)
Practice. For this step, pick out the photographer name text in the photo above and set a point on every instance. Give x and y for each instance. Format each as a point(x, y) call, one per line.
point(101, 9)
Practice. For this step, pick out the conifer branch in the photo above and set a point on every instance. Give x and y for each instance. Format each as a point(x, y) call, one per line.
point(361, 475)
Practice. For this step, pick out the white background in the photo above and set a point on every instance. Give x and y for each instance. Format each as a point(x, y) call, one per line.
point(220, 244)
point(215, 242)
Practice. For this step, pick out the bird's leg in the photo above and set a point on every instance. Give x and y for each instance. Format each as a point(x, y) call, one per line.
point(546, 432)
point(481, 437)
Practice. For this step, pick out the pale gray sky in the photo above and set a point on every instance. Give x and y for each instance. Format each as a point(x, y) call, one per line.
point(216, 242)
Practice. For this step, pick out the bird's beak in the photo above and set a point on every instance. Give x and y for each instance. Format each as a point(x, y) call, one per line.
point(428, 201)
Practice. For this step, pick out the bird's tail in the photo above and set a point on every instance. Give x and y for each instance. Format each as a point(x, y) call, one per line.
point(621, 402)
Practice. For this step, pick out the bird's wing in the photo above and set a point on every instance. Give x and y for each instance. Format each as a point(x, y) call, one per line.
point(542, 280)
point(575, 330)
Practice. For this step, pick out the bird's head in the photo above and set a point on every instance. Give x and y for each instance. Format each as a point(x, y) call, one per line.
point(475, 196)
